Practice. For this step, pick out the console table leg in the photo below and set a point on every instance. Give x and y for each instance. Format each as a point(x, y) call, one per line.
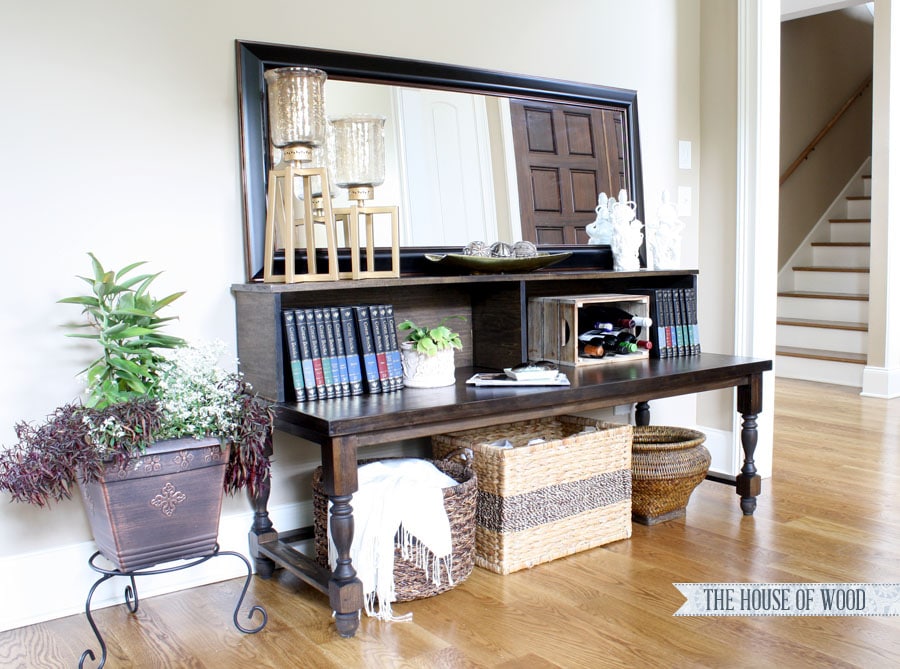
point(749, 404)
point(748, 481)
point(262, 529)
point(642, 413)
point(344, 589)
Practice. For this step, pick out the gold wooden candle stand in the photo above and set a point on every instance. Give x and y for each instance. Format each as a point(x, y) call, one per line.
point(358, 217)
point(282, 227)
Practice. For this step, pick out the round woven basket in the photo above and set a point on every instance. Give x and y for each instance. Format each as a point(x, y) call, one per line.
point(410, 582)
point(667, 463)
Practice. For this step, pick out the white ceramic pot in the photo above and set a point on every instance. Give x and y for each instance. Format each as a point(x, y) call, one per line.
point(427, 371)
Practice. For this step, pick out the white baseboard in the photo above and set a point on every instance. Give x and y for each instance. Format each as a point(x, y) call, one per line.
point(720, 444)
point(54, 583)
point(881, 382)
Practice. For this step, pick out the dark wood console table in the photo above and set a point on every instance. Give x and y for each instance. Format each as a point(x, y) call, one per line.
point(496, 307)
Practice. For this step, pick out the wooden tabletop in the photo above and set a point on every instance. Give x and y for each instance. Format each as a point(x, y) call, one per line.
point(416, 412)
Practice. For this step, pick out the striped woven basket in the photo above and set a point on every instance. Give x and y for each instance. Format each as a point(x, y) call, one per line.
point(667, 463)
point(539, 502)
point(411, 582)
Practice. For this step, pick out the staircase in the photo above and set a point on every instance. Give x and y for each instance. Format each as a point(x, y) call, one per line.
point(823, 296)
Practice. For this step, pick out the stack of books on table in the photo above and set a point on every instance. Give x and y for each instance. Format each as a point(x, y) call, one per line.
point(675, 332)
point(342, 351)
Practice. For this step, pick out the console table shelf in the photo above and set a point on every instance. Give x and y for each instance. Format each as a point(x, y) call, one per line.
point(495, 306)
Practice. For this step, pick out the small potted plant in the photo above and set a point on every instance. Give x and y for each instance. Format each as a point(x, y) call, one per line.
point(427, 354)
point(157, 439)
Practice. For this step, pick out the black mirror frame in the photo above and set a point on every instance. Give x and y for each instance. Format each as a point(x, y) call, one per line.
point(253, 58)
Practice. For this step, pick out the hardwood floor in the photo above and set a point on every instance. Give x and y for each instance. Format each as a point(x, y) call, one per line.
point(829, 514)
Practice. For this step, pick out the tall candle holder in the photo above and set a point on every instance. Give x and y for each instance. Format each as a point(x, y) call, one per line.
point(359, 167)
point(296, 99)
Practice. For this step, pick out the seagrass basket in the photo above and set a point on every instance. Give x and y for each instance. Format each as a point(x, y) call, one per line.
point(667, 463)
point(539, 501)
point(410, 581)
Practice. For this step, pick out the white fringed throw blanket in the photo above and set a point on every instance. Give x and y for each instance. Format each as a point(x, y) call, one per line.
point(403, 498)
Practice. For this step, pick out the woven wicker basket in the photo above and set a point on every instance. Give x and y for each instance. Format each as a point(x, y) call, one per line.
point(410, 582)
point(544, 501)
point(667, 463)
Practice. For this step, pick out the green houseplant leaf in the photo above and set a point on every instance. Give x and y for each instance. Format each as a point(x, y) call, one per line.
point(429, 341)
point(125, 323)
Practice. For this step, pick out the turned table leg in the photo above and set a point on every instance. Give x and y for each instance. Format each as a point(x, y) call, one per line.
point(262, 530)
point(749, 404)
point(345, 592)
point(344, 589)
point(642, 413)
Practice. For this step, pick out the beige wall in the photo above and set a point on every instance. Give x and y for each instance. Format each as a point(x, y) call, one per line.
point(824, 59)
point(120, 137)
point(718, 204)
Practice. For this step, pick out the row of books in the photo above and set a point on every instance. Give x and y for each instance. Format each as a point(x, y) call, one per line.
point(675, 332)
point(342, 351)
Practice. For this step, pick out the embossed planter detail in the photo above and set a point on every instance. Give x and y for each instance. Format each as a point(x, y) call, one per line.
point(162, 506)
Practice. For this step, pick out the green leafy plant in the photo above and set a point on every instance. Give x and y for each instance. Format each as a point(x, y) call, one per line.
point(137, 395)
point(430, 340)
point(125, 322)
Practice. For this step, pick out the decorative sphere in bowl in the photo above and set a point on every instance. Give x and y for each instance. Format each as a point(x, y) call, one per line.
point(501, 250)
point(477, 249)
point(524, 249)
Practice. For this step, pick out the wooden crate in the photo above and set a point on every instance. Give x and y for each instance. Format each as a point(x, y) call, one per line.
point(554, 324)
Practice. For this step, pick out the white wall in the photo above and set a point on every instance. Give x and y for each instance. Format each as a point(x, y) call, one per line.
point(119, 136)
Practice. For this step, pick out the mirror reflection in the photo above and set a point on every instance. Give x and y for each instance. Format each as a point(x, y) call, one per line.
point(470, 154)
point(448, 161)
point(466, 167)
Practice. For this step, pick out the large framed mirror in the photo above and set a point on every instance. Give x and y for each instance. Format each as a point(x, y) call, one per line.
point(471, 154)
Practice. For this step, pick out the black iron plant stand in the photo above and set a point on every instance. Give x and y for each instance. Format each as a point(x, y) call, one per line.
point(131, 596)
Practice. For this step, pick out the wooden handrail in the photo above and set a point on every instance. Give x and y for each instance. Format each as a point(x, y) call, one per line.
point(824, 131)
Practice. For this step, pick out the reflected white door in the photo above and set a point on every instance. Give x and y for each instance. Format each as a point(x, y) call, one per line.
point(446, 164)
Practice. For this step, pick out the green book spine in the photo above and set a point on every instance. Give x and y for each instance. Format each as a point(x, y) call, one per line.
point(290, 331)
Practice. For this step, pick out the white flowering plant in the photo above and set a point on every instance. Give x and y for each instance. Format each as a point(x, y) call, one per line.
point(195, 394)
point(136, 395)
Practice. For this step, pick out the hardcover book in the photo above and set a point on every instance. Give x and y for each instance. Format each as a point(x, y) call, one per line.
point(290, 331)
point(351, 350)
point(366, 343)
point(316, 354)
point(306, 356)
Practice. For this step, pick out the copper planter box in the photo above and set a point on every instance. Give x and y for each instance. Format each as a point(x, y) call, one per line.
point(163, 506)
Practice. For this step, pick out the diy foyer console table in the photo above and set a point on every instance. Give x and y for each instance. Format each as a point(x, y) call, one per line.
point(494, 337)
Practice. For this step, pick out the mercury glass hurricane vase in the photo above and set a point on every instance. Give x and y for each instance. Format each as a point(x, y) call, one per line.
point(359, 151)
point(296, 98)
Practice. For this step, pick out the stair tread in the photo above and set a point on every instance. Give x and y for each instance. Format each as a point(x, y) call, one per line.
point(816, 354)
point(859, 197)
point(809, 268)
point(849, 220)
point(823, 296)
point(840, 244)
point(828, 325)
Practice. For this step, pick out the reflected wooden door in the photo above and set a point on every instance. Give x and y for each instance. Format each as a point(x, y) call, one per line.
point(565, 156)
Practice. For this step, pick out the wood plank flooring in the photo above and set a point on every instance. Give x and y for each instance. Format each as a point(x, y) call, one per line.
point(829, 514)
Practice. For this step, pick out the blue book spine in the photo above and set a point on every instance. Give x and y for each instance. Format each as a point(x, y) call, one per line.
point(351, 350)
point(367, 349)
